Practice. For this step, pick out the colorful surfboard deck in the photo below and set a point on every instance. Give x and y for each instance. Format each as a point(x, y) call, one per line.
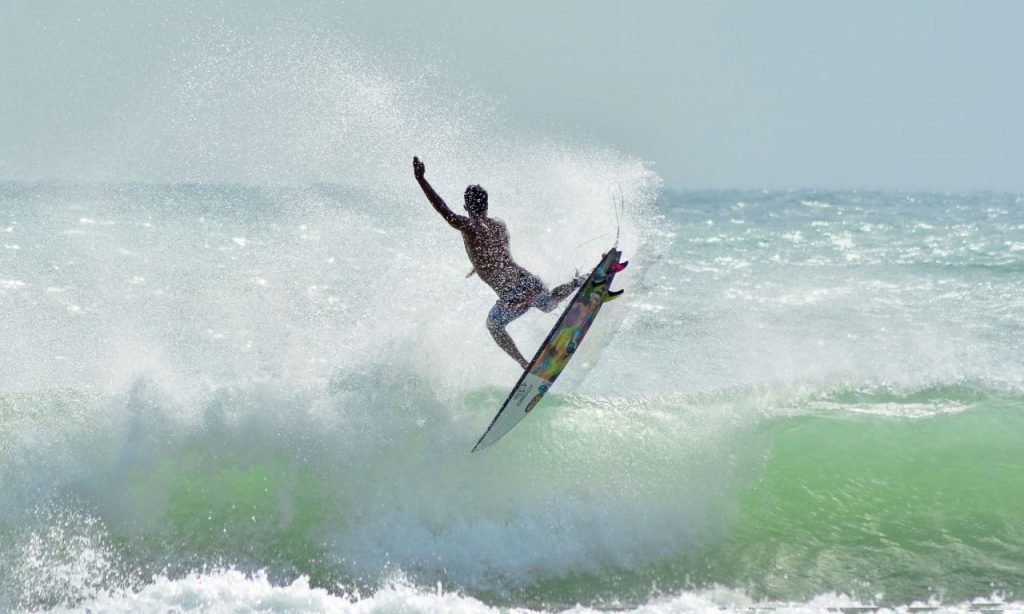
point(558, 348)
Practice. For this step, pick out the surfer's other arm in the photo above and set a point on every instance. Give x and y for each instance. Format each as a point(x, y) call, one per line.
point(454, 220)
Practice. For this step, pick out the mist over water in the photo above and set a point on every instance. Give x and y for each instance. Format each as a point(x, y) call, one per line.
point(243, 368)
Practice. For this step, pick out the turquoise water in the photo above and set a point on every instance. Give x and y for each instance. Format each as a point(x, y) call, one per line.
point(231, 398)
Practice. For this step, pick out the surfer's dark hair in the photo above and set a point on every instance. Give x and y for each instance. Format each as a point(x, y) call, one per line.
point(476, 200)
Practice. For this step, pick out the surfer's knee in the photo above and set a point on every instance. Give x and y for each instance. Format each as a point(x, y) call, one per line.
point(495, 323)
point(501, 315)
point(546, 302)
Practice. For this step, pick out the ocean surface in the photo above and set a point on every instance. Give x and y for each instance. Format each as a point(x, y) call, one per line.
point(244, 397)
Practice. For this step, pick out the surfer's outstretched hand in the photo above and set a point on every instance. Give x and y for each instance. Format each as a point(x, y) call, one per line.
point(418, 168)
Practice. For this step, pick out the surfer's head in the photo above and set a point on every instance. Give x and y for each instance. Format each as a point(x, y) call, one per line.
point(476, 200)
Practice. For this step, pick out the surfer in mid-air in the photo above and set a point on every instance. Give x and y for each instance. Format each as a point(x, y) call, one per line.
point(487, 245)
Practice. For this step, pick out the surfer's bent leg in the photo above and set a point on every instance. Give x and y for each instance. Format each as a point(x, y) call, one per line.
point(497, 319)
point(549, 300)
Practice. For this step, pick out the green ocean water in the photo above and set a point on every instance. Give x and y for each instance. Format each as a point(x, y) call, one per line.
point(880, 507)
point(869, 506)
point(888, 509)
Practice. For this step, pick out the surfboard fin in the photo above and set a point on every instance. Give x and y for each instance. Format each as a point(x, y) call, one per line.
point(611, 296)
point(618, 266)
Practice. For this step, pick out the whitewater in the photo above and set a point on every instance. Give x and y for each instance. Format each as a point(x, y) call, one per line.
point(246, 375)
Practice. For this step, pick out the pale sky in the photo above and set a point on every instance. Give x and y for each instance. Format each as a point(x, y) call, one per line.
point(786, 94)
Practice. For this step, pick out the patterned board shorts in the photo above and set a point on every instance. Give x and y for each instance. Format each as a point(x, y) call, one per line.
point(527, 292)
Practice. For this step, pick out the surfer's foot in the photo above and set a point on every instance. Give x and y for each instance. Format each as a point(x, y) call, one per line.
point(579, 280)
point(525, 365)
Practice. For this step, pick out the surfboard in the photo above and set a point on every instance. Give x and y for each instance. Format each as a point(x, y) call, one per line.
point(558, 348)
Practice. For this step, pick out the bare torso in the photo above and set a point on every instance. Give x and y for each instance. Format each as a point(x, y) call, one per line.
point(487, 244)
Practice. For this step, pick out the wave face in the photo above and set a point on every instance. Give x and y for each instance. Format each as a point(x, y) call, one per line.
point(252, 381)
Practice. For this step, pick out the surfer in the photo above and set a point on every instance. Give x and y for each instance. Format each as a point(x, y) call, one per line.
point(487, 244)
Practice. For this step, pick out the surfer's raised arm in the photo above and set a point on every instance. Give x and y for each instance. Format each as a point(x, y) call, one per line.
point(454, 220)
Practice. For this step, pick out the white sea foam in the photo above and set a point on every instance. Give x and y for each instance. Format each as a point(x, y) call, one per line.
point(233, 592)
